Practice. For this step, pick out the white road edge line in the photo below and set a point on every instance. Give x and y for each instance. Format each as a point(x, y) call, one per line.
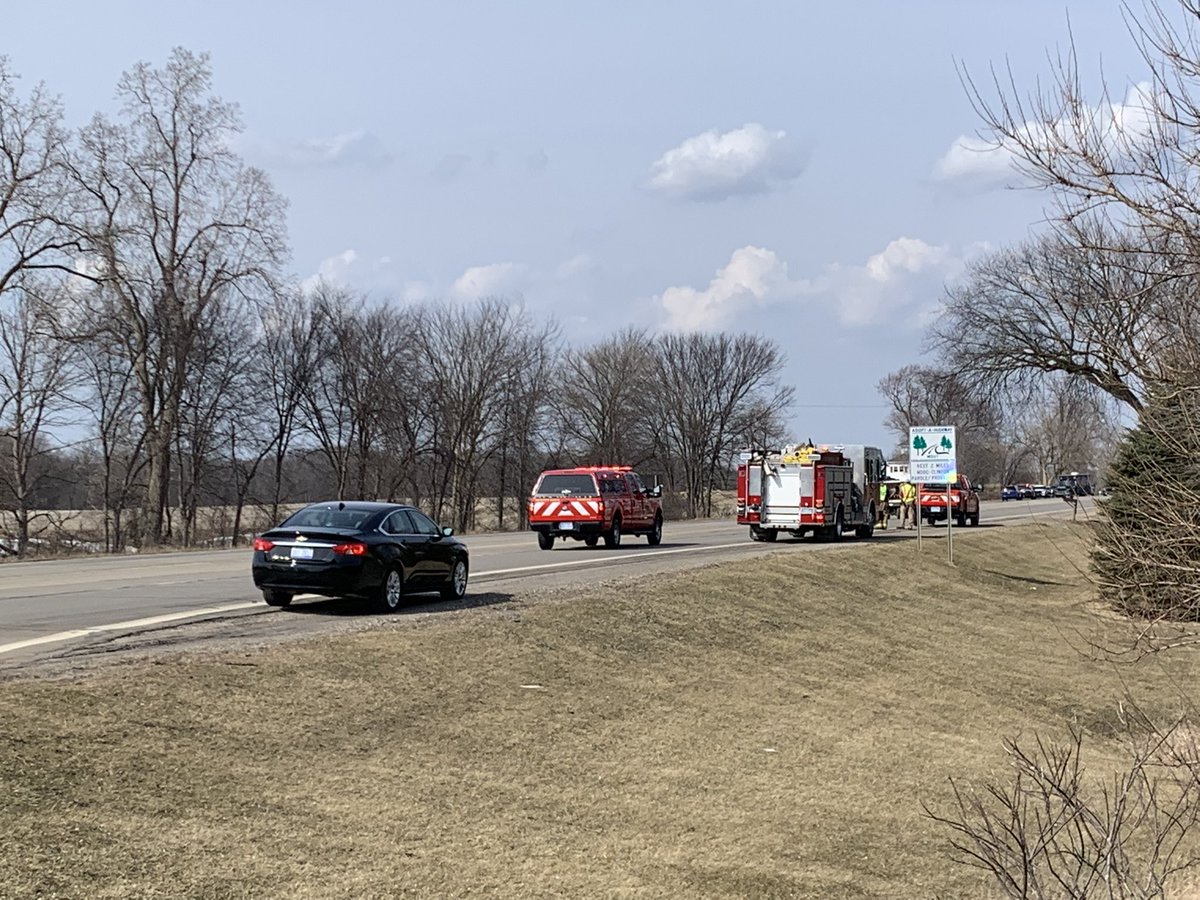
point(120, 626)
point(134, 624)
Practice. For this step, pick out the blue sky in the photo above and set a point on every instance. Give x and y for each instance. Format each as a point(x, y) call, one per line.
point(785, 168)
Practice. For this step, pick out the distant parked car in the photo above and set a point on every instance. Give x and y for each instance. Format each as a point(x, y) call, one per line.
point(1011, 492)
point(1075, 484)
point(374, 551)
point(1043, 490)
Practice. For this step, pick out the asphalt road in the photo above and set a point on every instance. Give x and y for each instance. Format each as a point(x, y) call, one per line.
point(62, 607)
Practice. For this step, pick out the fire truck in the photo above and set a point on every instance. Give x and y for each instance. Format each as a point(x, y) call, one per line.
point(823, 490)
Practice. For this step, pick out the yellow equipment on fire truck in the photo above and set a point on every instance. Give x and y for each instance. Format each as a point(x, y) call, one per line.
point(823, 490)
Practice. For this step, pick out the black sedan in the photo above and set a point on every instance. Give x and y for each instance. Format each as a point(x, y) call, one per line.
point(374, 551)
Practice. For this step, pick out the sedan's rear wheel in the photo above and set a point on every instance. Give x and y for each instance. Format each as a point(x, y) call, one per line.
point(456, 588)
point(391, 592)
point(277, 598)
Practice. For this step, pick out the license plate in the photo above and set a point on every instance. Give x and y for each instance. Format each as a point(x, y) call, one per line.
point(566, 526)
point(302, 553)
point(935, 509)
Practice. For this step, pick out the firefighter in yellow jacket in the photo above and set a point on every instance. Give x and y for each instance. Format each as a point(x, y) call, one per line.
point(908, 504)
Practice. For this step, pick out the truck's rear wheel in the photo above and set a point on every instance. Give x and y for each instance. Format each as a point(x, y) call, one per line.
point(591, 540)
point(612, 537)
point(545, 541)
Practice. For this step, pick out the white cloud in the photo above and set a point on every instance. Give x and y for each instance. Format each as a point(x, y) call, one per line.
point(894, 285)
point(1118, 129)
point(714, 166)
point(973, 158)
point(897, 286)
point(351, 148)
point(497, 279)
point(350, 270)
point(753, 277)
point(904, 255)
point(335, 270)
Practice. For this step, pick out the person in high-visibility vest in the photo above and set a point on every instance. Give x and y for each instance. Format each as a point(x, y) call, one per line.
point(908, 504)
point(881, 511)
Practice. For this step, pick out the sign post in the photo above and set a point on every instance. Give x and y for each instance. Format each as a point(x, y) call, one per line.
point(933, 459)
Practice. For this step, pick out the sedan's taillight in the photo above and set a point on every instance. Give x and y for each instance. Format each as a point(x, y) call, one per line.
point(263, 544)
point(354, 548)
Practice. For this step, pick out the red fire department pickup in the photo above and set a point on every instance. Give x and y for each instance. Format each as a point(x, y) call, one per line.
point(963, 502)
point(593, 502)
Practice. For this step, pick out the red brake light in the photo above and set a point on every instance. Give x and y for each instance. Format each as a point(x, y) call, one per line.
point(354, 548)
point(263, 544)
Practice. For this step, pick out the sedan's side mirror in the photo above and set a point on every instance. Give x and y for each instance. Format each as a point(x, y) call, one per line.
point(447, 531)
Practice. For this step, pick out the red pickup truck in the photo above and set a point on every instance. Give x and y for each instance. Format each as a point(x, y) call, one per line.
point(963, 502)
point(593, 502)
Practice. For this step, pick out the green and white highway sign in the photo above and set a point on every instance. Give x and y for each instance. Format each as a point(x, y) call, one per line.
point(933, 454)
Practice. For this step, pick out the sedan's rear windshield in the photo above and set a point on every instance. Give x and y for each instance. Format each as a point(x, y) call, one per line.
point(566, 484)
point(329, 517)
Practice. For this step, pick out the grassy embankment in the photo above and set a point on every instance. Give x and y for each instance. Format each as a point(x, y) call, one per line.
point(762, 729)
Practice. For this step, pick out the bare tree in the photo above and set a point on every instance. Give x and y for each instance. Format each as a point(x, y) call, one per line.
point(34, 386)
point(35, 194)
point(358, 374)
point(1067, 425)
point(175, 224)
point(106, 391)
point(258, 420)
point(477, 355)
point(925, 395)
point(712, 393)
point(212, 406)
point(606, 399)
point(1047, 833)
point(1081, 301)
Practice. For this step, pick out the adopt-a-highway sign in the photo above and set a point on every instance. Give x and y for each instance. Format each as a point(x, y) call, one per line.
point(933, 454)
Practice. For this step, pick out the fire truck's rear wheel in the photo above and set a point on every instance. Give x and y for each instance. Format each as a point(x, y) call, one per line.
point(612, 537)
point(545, 541)
point(838, 528)
point(591, 540)
point(655, 536)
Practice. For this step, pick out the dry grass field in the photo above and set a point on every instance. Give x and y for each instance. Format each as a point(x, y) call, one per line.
point(762, 729)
